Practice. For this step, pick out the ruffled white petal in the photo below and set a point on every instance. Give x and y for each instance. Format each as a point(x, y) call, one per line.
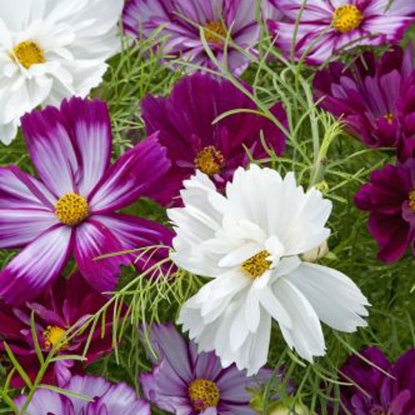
point(336, 299)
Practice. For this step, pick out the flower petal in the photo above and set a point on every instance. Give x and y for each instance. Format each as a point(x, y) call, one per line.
point(92, 241)
point(36, 266)
point(306, 335)
point(19, 190)
point(335, 298)
point(149, 241)
point(136, 171)
point(51, 149)
point(21, 227)
point(91, 132)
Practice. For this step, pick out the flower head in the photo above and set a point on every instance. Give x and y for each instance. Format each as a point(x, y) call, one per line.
point(185, 381)
point(249, 243)
point(185, 121)
point(67, 305)
point(378, 387)
point(368, 96)
point(52, 51)
point(182, 21)
point(105, 399)
point(389, 197)
point(326, 28)
point(72, 208)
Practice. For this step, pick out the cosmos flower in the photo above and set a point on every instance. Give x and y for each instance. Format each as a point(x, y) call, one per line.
point(368, 96)
point(187, 382)
point(327, 28)
point(105, 399)
point(389, 197)
point(249, 243)
point(378, 387)
point(182, 20)
point(185, 121)
point(51, 50)
point(67, 304)
point(406, 113)
point(71, 209)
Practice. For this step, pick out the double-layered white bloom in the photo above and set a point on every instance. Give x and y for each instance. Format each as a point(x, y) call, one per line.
point(249, 242)
point(50, 50)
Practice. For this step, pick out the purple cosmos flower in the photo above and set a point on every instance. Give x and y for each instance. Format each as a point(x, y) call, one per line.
point(187, 382)
point(185, 124)
point(374, 392)
point(406, 111)
point(368, 96)
point(71, 209)
point(390, 200)
point(67, 304)
point(182, 21)
point(105, 399)
point(326, 27)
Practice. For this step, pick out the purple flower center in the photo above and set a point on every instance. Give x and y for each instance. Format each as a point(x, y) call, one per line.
point(28, 53)
point(347, 18)
point(389, 117)
point(55, 335)
point(204, 394)
point(210, 161)
point(412, 200)
point(72, 209)
point(257, 265)
point(215, 32)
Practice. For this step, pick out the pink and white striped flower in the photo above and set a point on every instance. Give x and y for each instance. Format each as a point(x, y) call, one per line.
point(71, 207)
point(324, 28)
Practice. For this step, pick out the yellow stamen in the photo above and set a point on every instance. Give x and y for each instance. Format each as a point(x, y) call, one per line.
point(53, 335)
point(412, 200)
point(257, 265)
point(29, 53)
point(390, 118)
point(72, 209)
point(210, 161)
point(203, 394)
point(215, 32)
point(347, 18)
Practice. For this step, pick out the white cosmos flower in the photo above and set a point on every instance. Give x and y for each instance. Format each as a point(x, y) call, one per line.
point(249, 242)
point(50, 50)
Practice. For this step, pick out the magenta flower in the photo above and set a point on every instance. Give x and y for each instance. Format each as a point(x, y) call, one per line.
point(106, 399)
point(68, 303)
point(185, 124)
point(71, 209)
point(406, 111)
point(327, 27)
point(389, 198)
point(186, 382)
point(368, 96)
point(373, 391)
point(182, 21)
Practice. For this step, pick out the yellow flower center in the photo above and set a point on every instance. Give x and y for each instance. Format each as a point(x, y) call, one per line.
point(347, 18)
point(72, 209)
point(215, 32)
point(389, 117)
point(53, 335)
point(257, 265)
point(29, 53)
point(210, 161)
point(203, 394)
point(412, 200)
